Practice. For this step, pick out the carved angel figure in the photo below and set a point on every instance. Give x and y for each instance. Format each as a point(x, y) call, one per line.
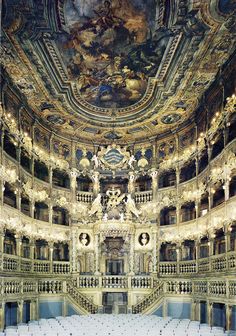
point(131, 207)
point(96, 161)
point(96, 206)
point(131, 161)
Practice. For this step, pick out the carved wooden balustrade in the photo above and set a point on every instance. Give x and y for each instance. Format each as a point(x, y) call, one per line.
point(143, 197)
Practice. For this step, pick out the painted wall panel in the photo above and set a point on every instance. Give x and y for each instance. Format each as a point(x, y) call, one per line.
point(48, 309)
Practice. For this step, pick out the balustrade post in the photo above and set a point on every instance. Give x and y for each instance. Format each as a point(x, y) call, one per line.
point(2, 315)
point(228, 316)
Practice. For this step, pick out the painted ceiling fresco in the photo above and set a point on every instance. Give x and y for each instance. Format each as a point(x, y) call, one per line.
point(111, 49)
point(115, 70)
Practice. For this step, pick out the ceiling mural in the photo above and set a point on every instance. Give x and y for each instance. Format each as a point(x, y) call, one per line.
point(114, 70)
point(111, 49)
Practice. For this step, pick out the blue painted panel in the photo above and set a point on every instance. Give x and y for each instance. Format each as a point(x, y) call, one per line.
point(158, 312)
point(71, 310)
point(233, 320)
point(218, 314)
point(26, 312)
point(179, 309)
point(48, 309)
point(10, 314)
point(203, 312)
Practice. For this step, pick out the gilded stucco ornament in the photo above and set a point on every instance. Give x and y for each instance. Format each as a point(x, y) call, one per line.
point(114, 157)
point(33, 193)
point(7, 174)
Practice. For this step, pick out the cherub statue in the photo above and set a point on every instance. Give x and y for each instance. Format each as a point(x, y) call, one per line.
point(96, 161)
point(96, 206)
point(131, 207)
point(131, 161)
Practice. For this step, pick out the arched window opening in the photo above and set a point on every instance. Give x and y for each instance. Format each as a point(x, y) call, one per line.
point(41, 171)
point(204, 248)
point(218, 195)
point(9, 243)
point(25, 205)
point(60, 179)
point(41, 250)
point(60, 216)
point(9, 145)
point(188, 212)
point(188, 172)
point(41, 211)
point(60, 252)
point(168, 252)
point(9, 195)
point(168, 216)
point(167, 179)
point(219, 242)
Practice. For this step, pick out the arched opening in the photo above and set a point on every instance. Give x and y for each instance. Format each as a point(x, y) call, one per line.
point(9, 195)
point(25, 160)
point(168, 252)
point(204, 204)
point(9, 145)
point(188, 172)
point(203, 162)
point(60, 179)
point(232, 128)
point(41, 171)
point(25, 205)
point(60, 252)
point(9, 243)
point(168, 216)
point(143, 183)
point(41, 211)
point(84, 183)
point(188, 211)
point(233, 237)
point(219, 242)
point(218, 195)
point(25, 252)
point(232, 185)
point(218, 146)
point(188, 250)
point(167, 179)
point(60, 216)
point(41, 250)
point(204, 247)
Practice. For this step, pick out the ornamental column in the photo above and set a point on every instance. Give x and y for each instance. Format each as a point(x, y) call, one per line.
point(96, 248)
point(154, 252)
point(228, 316)
point(50, 246)
point(73, 184)
point(209, 312)
point(2, 315)
point(131, 184)
point(131, 256)
point(154, 176)
point(96, 183)
point(20, 305)
point(2, 236)
point(73, 249)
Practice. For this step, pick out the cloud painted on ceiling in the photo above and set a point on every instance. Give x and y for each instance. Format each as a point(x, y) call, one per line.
point(111, 48)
